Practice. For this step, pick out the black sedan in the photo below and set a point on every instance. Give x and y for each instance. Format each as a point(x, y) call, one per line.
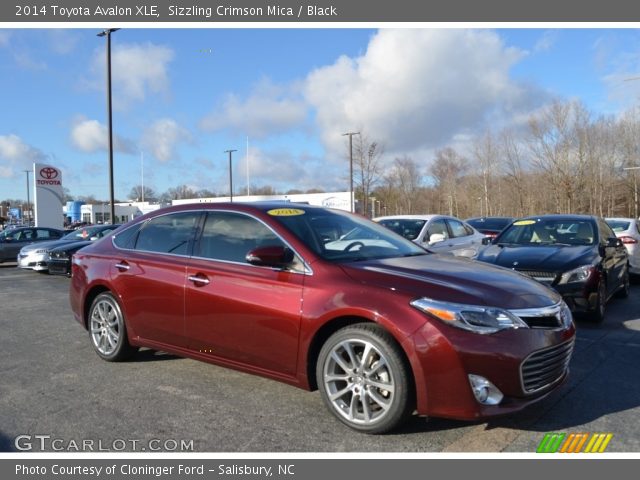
point(59, 261)
point(490, 226)
point(578, 255)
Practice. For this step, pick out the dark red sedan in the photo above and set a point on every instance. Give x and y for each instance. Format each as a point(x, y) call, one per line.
point(381, 327)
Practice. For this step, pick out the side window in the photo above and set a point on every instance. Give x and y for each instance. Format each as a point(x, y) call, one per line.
point(437, 226)
point(172, 233)
point(605, 231)
point(468, 229)
point(24, 235)
point(42, 234)
point(127, 238)
point(230, 236)
point(457, 228)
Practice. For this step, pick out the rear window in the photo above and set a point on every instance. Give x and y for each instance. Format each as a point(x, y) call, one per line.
point(618, 225)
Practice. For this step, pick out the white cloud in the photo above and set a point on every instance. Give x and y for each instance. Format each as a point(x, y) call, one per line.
point(62, 41)
point(415, 89)
point(5, 37)
point(136, 69)
point(92, 136)
point(546, 41)
point(269, 109)
point(16, 155)
point(162, 138)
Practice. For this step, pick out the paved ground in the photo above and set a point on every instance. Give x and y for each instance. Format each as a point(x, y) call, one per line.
point(54, 384)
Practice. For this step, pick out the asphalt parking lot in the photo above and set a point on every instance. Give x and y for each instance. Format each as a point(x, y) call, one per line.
point(54, 385)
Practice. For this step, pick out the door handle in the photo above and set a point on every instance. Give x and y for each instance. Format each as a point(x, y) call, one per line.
point(199, 280)
point(122, 266)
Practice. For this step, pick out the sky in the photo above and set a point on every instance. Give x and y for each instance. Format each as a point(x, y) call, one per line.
point(181, 97)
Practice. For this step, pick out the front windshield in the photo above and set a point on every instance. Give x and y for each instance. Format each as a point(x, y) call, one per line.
point(543, 231)
point(342, 237)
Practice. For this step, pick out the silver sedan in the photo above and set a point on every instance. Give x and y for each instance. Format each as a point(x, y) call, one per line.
point(628, 230)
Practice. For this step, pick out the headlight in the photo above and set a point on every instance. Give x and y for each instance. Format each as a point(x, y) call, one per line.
point(580, 274)
point(474, 318)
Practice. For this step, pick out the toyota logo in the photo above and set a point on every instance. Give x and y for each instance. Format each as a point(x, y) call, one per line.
point(49, 173)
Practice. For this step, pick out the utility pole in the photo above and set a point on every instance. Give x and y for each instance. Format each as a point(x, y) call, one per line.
point(350, 135)
point(230, 152)
point(28, 198)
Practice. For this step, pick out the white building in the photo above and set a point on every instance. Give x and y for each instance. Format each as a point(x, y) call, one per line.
point(101, 213)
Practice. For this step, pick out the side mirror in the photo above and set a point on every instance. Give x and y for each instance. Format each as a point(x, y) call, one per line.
point(614, 242)
point(436, 237)
point(275, 256)
point(487, 240)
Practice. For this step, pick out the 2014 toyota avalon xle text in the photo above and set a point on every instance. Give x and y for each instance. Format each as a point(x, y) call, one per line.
point(382, 329)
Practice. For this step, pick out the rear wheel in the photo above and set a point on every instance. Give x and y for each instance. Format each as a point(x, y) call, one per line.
point(597, 314)
point(364, 379)
point(624, 289)
point(107, 329)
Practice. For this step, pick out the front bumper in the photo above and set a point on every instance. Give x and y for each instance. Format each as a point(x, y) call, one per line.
point(446, 356)
point(59, 266)
point(33, 262)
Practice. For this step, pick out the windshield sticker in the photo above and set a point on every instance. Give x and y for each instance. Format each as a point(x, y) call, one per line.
point(519, 223)
point(285, 212)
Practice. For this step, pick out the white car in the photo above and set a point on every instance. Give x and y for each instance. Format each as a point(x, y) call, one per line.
point(35, 256)
point(438, 233)
point(628, 230)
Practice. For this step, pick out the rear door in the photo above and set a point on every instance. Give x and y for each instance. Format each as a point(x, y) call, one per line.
point(150, 276)
point(238, 311)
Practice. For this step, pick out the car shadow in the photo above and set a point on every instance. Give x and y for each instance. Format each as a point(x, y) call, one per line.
point(148, 355)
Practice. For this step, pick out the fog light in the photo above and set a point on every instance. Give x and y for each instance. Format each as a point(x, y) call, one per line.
point(485, 391)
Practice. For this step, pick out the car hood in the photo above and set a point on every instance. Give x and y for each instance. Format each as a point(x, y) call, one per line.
point(48, 244)
point(453, 279)
point(545, 258)
point(75, 245)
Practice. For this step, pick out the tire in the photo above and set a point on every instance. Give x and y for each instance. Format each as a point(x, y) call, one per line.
point(383, 379)
point(623, 292)
point(107, 329)
point(597, 314)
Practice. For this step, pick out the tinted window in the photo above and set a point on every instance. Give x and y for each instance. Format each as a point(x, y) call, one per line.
point(230, 236)
point(457, 228)
point(606, 231)
point(170, 233)
point(43, 234)
point(127, 238)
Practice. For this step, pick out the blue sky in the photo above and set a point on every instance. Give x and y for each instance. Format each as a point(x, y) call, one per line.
point(183, 96)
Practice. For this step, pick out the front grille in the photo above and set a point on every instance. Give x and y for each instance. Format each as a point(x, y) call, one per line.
point(539, 275)
point(550, 321)
point(545, 367)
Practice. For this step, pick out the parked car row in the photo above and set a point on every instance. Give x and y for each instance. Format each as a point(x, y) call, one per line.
point(323, 299)
point(35, 246)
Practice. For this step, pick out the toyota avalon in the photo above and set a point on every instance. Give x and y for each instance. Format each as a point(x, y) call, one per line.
point(382, 329)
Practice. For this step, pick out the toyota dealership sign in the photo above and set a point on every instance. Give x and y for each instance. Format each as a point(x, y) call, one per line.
point(49, 196)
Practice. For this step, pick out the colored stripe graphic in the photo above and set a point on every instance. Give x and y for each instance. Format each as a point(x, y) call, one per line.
point(574, 443)
point(550, 443)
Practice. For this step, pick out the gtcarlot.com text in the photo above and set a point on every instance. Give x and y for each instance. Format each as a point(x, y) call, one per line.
point(50, 443)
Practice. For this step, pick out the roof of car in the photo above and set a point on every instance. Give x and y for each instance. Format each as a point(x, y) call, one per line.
point(560, 216)
point(410, 217)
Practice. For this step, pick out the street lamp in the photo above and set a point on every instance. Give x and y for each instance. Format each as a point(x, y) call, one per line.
point(350, 135)
point(230, 152)
point(28, 199)
point(107, 33)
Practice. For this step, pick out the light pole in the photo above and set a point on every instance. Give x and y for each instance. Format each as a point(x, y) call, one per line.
point(107, 33)
point(350, 135)
point(28, 199)
point(230, 152)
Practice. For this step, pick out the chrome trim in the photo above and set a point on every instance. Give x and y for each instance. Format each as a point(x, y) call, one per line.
point(200, 280)
point(550, 311)
point(122, 266)
point(307, 268)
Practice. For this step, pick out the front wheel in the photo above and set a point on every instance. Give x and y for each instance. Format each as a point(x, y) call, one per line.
point(364, 379)
point(107, 329)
